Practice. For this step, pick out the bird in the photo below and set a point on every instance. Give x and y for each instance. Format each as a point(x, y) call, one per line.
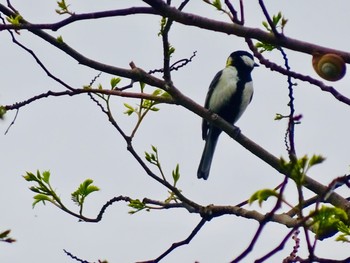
point(229, 94)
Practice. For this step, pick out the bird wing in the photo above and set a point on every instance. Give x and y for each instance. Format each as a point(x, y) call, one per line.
point(214, 82)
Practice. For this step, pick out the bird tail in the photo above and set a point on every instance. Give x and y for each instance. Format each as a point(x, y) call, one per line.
point(207, 157)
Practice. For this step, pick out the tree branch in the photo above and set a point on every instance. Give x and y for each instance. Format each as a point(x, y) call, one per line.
point(241, 31)
point(76, 17)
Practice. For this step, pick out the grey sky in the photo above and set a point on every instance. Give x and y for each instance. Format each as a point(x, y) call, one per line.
point(74, 140)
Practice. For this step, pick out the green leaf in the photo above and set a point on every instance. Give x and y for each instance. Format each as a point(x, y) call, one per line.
point(342, 238)
point(262, 195)
point(137, 205)
point(278, 117)
point(154, 109)
point(148, 157)
point(5, 234)
point(166, 95)
point(142, 86)
point(14, 20)
point(60, 39)
point(41, 198)
point(46, 176)
point(316, 159)
point(83, 191)
point(262, 47)
point(114, 82)
point(29, 177)
point(35, 189)
point(63, 8)
point(163, 22)
point(276, 18)
point(2, 112)
point(327, 220)
point(157, 92)
point(171, 51)
point(217, 4)
point(154, 148)
point(302, 162)
point(176, 174)
point(4, 237)
point(344, 228)
point(130, 110)
point(266, 25)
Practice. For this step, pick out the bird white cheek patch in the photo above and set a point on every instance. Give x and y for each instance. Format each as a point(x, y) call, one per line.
point(248, 61)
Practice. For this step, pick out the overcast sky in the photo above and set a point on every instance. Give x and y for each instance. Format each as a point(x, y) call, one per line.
point(74, 140)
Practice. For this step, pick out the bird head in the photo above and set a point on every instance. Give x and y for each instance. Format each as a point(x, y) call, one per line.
point(242, 60)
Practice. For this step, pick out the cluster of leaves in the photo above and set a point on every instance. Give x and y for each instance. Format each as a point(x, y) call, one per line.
point(218, 5)
point(145, 106)
point(153, 158)
point(43, 189)
point(297, 169)
point(45, 192)
point(15, 20)
point(327, 221)
point(82, 192)
point(278, 21)
point(63, 8)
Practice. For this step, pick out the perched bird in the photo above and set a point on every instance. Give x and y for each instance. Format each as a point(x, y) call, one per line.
point(229, 94)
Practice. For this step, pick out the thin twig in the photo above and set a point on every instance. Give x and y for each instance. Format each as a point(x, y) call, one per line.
point(263, 223)
point(178, 244)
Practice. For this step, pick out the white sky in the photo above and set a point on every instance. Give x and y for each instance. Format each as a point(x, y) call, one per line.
point(73, 139)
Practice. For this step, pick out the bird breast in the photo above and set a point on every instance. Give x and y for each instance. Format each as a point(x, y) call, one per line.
point(226, 89)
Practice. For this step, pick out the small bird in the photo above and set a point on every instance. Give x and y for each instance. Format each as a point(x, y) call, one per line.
point(229, 94)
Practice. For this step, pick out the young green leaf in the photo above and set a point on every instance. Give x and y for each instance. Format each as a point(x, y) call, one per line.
point(130, 110)
point(41, 198)
point(262, 195)
point(60, 39)
point(176, 174)
point(142, 86)
point(154, 109)
point(83, 191)
point(266, 25)
point(114, 82)
point(46, 176)
point(14, 20)
point(276, 18)
point(2, 112)
point(326, 221)
point(29, 177)
point(154, 148)
point(217, 4)
point(316, 159)
point(137, 205)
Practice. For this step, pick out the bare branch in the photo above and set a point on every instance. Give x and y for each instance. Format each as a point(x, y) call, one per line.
point(241, 31)
point(178, 244)
point(77, 17)
point(74, 92)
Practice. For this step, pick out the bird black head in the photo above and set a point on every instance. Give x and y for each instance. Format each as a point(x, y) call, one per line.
point(242, 60)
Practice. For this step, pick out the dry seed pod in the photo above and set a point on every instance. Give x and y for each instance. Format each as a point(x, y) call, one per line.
point(330, 67)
